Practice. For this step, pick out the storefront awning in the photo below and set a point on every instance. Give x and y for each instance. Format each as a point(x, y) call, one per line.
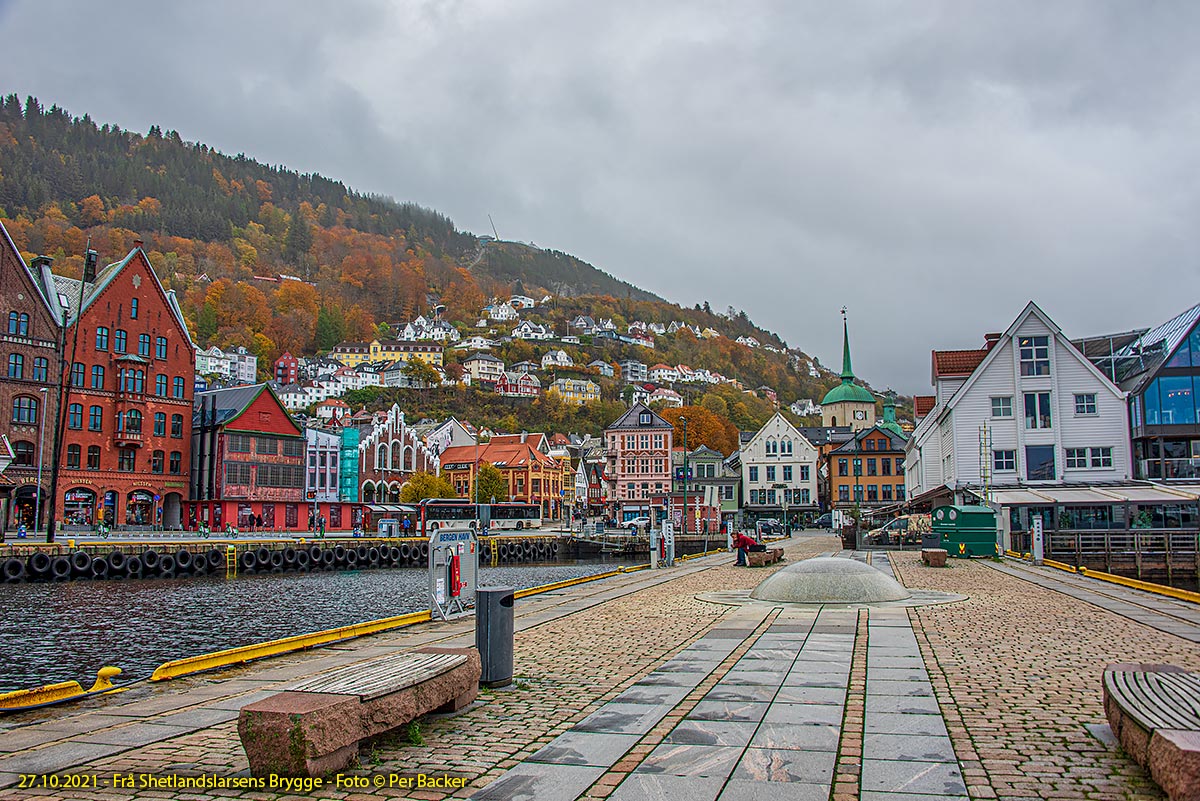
point(1095, 495)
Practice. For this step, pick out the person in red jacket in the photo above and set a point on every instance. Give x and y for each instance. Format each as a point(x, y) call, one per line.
point(743, 542)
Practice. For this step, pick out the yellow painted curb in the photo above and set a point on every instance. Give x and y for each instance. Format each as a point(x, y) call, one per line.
point(1138, 584)
point(246, 653)
point(61, 691)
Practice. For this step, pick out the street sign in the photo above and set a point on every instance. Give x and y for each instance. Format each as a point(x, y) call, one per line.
point(1037, 541)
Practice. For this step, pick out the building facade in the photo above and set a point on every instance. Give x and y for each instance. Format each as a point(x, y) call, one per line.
point(248, 462)
point(638, 446)
point(484, 368)
point(779, 472)
point(30, 344)
point(532, 475)
point(849, 403)
point(868, 471)
point(128, 404)
point(323, 453)
point(389, 452)
point(577, 391)
point(287, 369)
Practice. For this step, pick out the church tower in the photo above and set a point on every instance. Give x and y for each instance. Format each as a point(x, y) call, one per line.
point(848, 404)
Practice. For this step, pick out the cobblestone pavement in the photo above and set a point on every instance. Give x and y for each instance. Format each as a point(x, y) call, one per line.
point(1017, 672)
point(566, 667)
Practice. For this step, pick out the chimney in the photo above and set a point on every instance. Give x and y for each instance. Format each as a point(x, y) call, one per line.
point(137, 243)
point(990, 340)
point(41, 261)
point(89, 266)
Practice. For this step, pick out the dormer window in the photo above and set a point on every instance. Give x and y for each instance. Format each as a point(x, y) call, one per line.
point(645, 419)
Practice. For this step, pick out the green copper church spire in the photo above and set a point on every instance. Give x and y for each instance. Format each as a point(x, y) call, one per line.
point(847, 371)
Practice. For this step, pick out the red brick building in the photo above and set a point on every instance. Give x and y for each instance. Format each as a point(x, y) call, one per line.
point(30, 362)
point(127, 414)
point(248, 461)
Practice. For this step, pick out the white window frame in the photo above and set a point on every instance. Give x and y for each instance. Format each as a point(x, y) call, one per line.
point(1100, 457)
point(999, 405)
point(1076, 459)
point(1082, 402)
point(997, 462)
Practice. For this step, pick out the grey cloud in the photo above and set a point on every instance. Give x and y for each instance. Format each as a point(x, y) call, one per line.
point(930, 165)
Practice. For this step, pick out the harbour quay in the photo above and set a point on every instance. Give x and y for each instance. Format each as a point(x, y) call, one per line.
point(987, 683)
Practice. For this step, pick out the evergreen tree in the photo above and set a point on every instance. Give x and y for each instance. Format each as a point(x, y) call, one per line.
point(331, 327)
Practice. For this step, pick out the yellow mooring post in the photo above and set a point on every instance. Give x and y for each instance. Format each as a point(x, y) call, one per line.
point(231, 561)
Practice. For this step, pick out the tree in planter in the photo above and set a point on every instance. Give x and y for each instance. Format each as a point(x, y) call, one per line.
point(424, 485)
point(492, 484)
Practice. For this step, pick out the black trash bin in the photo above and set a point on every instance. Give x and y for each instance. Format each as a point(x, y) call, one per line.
point(494, 635)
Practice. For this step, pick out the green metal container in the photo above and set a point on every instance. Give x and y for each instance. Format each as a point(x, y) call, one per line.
point(966, 530)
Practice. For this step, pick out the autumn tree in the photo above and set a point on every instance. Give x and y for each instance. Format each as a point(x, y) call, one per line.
point(492, 485)
point(422, 485)
point(421, 374)
point(703, 428)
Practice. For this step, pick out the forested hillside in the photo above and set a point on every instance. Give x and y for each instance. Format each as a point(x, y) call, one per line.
point(221, 230)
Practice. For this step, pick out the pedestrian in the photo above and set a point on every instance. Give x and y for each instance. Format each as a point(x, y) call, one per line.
point(321, 525)
point(258, 521)
point(21, 532)
point(407, 524)
point(743, 542)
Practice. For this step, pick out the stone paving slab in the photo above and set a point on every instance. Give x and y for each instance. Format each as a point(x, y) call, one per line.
point(135, 734)
point(926, 779)
point(586, 748)
point(658, 787)
point(536, 781)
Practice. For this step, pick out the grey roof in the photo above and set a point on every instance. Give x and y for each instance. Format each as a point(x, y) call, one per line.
point(482, 357)
point(629, 420)
point(822, 435)
point(854, 445)
point(230, 402)
point(1136, 363)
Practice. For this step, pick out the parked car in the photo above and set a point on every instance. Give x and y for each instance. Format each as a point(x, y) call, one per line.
point(770, 526)
point(824, 521)
point(636, 523)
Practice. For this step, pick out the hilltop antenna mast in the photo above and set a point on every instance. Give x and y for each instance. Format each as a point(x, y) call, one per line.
point(493, 228)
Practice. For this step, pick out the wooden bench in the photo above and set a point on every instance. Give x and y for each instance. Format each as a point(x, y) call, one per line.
point(1154, 710)
point(934, 557)
point(764, 558)
point(314, 726)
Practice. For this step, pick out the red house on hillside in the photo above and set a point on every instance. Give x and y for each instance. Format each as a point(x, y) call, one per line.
point(247, 461)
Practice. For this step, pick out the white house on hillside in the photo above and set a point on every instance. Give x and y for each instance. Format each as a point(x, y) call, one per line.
point(556, 358)
point(1026, 409)
point(532, 331)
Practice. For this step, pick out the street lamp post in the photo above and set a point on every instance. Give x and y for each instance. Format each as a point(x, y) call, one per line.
point(684, 420)
point(37, 498)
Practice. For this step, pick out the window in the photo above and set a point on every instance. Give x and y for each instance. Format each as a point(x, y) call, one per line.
point(160, 385)
point(1101, 457)
point(1004, 461)
point(858, 467)
point(41, 371)
point(16, 365)
point(160, 348)
point(75, 416)
point(1077, 458)
point(843, 467)
point(144, 345)
point(843, 493)
point(885, 466)
point(95, 419)
point(885, 492)
point(101, 338)
point(267, 446)
point(869, 444)
point(787, 472)
point(1039, 462)
point(872, 468)
point(1035, 355)
point(858, 493)
point(1037, 410)
point(74, 453)
point(23, 454)
point(771, 473)
point(1085, 404)
point(127, 459)
point(239, 443)
point(804, 472)
point(160, 424)
point(872, 492)
point(1177, 397)
point(787, 447)
point(18, 324)
point(645, 419)
point(93, 462)
point(97, 377)
point(133, 421)
point(156, 462)
point(177, 426)
point(237, 473)
point(119, 340)
point(176, 463)
point(178, 387)
point(25, 410)
point(1002, 406)
point(772, 447)
point(754, 474)
point(899, 467)
point(899, 492)
point(133, 308)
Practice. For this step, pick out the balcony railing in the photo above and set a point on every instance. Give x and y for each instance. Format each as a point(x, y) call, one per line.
point(127, 439)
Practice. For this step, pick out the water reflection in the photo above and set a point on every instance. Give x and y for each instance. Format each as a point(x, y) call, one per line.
point(62, 631)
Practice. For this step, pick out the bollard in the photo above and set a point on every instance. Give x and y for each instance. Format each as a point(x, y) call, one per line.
point(494, 635)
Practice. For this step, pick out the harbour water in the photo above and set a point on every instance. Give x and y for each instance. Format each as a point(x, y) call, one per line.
point(62, 631)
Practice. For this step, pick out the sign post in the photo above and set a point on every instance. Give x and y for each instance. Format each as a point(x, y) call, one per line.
point(668, 543)
point(453, 568)
point(1038, 545)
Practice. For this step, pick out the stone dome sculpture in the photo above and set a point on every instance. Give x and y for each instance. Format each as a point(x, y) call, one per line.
point(830, 580)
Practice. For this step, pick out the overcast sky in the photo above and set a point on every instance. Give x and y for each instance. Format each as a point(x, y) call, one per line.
point(931, 166)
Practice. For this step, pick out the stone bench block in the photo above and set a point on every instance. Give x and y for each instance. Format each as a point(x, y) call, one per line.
point(934, 557)
point(764, 558)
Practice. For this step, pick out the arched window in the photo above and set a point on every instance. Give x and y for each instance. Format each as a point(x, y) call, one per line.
point(74, 453)
point(13, 322)
point(133, 421)
point(75, 416)
point(16, 365)
point(25, 410)
point(381, 457)
point(41, 369)
point(178, 387)
point(23, 454)
point(156, 462)
point(97, 376)
point(160, 385)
